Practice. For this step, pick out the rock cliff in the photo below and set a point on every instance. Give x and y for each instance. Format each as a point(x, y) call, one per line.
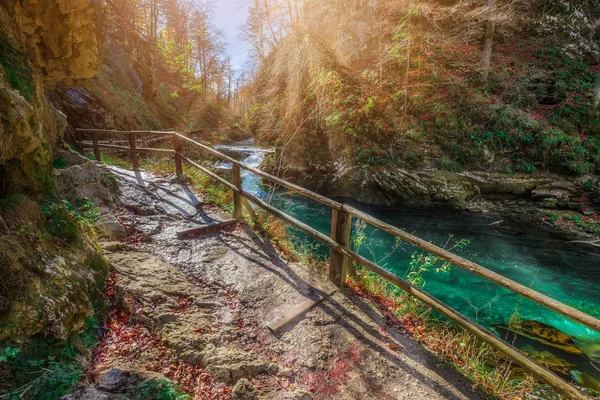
point(50, 269)
point(62, 37)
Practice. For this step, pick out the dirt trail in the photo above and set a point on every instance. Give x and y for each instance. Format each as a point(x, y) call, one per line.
point(204, 302)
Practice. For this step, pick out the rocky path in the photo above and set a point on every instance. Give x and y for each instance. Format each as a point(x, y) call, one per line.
point(195, 311)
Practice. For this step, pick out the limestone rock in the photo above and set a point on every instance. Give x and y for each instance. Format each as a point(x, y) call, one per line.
point(62, 37)
point(115, 381)
point(554, 190)
point(243, 390)
point(111, 228)
point(83, 180)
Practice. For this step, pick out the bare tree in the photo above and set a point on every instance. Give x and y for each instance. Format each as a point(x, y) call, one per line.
point(490, 29)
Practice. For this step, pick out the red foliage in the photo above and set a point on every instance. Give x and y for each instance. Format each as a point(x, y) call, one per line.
point(388, 306)
point(327, 383)
point(131, 344)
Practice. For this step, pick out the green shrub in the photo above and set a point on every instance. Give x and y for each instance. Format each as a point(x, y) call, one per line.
point(158, 389)
point(65, 220)
point(43, 368)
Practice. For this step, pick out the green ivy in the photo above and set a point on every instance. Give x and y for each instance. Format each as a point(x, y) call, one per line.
point(16, 66)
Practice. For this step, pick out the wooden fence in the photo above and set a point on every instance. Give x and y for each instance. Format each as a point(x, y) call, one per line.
point(341, 255)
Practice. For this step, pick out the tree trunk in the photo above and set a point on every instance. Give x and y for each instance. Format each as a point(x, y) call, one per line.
point(488, 41)
point(596, 95)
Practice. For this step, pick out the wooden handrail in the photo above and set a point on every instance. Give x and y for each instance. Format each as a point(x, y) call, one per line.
point(341, 253)
point(127, 148)
point(109, 132)
point(315, 196)
point(477, 269)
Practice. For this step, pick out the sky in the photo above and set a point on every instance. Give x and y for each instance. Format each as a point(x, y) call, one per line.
point(230, 15)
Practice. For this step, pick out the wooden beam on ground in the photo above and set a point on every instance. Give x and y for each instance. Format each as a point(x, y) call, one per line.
point(299, 310)
point(206, 228)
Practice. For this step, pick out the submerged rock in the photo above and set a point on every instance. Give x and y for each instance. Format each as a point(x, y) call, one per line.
point(585, 380)
point(549, 360)
point(544, 334)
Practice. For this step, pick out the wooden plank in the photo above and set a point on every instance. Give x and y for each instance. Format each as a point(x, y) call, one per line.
point(299, 310)
point(339, 264)
point(317, 197)
point(237, 199)
point(483, 272)
point(204, 229)
point(134, 159)
point(541, 373)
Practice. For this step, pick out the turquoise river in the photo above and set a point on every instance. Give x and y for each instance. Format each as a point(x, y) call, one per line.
point(566, 272)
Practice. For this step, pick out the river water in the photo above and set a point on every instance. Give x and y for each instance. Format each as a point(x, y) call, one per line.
point(565, 272)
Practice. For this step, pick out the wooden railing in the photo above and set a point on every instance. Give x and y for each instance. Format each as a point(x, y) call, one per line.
point(341, 255)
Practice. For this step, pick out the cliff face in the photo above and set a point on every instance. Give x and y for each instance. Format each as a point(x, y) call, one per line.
point(62, 37)
point(50, 269)
point(42, 43)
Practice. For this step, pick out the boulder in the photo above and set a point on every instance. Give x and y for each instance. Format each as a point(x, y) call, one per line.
point(110, 228)
point(561, 190)
point(243, 390)
point(84, 392)
point(83, 179)
point(544, 334)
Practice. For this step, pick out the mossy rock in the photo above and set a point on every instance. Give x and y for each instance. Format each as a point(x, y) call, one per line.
point(586, 380)
point(549, 360)
point(16, 66)
point(544, 334)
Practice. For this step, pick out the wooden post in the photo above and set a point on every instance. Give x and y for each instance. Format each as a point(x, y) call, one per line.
point(134, 159)
point(79, 141)
point(96, 149)
point(237, 198)
point(341, 223)
point(177, 147)
point(253, 214)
